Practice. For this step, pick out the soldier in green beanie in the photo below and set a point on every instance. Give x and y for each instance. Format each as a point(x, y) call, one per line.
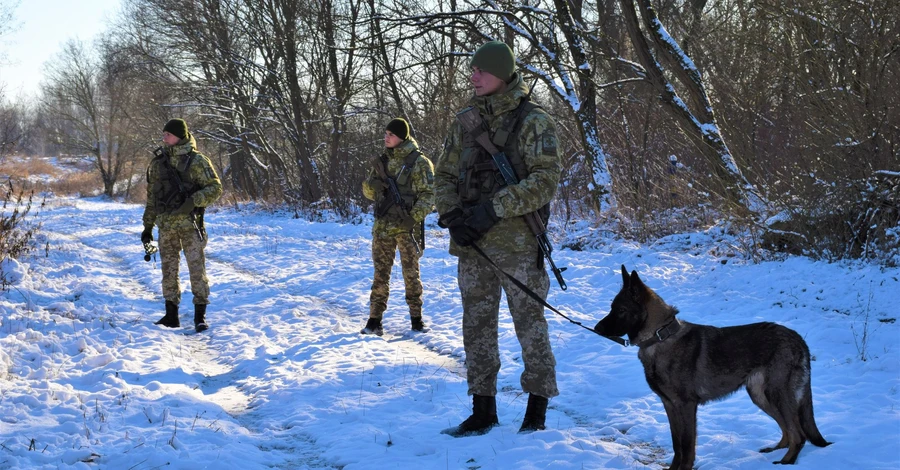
point(181, 183)
point(476, 205)
point(398, 226)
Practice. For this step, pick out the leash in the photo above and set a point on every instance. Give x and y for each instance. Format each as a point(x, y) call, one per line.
point(543, 302)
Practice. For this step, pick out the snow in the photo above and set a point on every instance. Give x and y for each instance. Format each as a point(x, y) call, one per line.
point(284, 380)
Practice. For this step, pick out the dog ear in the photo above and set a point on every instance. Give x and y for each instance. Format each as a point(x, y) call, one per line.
point(635, 279)
point(624, 276)
point(636, 287)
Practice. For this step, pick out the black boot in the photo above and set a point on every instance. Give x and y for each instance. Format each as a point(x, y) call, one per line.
point(373, 327)
point(171, 318)
point(417, 324)
point(200, 318)
point(484, 417)
point(535, 414)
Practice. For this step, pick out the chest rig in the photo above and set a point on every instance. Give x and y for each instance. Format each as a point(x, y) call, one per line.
point(173, 185)
point(479, 178)
point(387, 207)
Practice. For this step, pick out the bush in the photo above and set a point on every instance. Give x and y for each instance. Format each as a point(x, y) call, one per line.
point(16, 232)
point(852, 219)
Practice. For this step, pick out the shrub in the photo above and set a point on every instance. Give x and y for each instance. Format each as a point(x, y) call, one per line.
point(16, 232)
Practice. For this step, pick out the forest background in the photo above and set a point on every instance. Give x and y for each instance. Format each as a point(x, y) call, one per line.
point(781, 117)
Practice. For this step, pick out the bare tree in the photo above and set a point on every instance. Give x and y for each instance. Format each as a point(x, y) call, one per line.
point(13, 127)
point(695, 115)
point(84, 97)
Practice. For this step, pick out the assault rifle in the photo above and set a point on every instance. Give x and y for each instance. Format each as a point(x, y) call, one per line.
point(394, 194)
point(173, 173)
point(472, 123)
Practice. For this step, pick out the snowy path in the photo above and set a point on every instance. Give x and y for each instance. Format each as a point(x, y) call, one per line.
point(284, 380)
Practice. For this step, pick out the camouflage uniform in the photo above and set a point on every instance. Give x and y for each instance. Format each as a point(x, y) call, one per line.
point(388, 235)
point(510, 243)
point(177, 231)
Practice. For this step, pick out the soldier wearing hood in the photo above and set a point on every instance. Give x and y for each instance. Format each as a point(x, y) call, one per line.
point(181, 183)
point(477, 207)
point(401, 172)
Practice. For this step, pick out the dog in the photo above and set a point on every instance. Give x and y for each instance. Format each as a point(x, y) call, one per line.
point(688, 365)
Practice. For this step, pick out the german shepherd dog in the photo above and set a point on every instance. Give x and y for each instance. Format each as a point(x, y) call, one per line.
point(688, 365)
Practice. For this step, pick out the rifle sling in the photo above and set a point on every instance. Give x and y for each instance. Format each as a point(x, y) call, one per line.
point(408, 163)
point(538, 298)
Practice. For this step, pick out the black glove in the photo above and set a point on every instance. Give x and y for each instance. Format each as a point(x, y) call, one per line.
point(408, 223)
point(147, 234)
point(378, 185)
point(464, 235)
point(460, 233)
point(186, 207)
point(483, 218)
point(448, 219)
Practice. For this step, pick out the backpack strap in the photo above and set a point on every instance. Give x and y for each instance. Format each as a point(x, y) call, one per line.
point(408, 164)
point(512, 121)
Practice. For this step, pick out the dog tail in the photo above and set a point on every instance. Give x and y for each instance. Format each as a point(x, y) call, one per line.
point(808, 421)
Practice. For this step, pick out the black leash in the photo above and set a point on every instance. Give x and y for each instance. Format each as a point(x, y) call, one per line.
point(543, 302)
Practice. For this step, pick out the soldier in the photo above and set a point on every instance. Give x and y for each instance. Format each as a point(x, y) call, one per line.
point(181, 183)
point(398, 225)
point(477, 206)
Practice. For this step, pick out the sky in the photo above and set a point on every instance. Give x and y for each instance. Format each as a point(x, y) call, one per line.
point(43, 26)
point(283, 379)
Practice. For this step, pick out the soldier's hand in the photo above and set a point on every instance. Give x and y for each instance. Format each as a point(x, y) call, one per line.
point(464, 235)
point(483, 217)
point(408, 223)
point(460, 233)
point(454, 217)
point(185, 208)
point(147, 234)
point(378, 185)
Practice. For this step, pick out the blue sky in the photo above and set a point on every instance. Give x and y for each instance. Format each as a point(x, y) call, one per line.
point(43, 26)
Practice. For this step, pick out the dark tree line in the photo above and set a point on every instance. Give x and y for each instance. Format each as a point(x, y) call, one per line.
point(672, 112)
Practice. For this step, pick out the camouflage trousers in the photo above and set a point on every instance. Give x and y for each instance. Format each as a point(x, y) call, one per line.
point(480, 285)
point(383, 251)
point(171, 242)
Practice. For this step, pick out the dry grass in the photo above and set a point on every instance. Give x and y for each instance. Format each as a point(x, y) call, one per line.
point(22, 168)
point(67, 177)
point(77, 184)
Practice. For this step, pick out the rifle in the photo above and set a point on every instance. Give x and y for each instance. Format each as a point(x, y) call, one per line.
point(472, 123)
point(394, 193)
point(160, 153)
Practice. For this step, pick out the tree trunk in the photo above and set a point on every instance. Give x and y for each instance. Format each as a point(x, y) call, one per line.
point(697, 121)
point(586, 111)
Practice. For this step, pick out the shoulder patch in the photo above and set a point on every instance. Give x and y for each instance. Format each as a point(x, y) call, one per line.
point(548, 143)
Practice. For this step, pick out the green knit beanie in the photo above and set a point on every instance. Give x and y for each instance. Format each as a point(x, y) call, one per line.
point(399, 127)
point(495, 58)
point(176, 127)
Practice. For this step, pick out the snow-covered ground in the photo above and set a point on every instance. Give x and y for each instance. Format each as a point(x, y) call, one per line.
point(284, 380)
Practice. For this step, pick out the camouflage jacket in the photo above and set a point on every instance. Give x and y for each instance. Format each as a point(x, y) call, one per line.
point(421, 184)
point(201, 175)
point(537, 143)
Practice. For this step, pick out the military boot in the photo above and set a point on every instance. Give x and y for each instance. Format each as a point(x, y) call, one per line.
point(535, 414)
point(416, 324)
point(373, 327)
point(484, 417)
point(200, 318)
point(171, 318)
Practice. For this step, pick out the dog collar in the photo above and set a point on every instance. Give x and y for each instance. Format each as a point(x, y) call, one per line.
point(661, 334)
